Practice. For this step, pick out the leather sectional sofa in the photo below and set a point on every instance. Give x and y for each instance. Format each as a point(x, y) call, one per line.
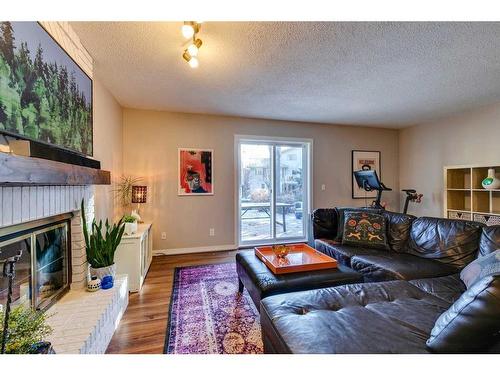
point(407, 288)
point(418, 247)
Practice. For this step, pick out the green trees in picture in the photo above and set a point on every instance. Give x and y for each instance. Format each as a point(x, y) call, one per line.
point(44, 95)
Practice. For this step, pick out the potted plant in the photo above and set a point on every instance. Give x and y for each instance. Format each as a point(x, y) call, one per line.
point(26, 331)
point(130, 224)
point(100, 245)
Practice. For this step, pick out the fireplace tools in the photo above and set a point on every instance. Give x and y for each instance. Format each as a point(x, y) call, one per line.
point(9, 271)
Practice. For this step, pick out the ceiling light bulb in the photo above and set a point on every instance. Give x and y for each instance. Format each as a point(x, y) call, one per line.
point(194, 47)
point(187, 31)
point(192, 50)
point(193, 62)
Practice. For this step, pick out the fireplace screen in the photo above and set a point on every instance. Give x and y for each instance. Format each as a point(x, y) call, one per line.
point(42, 273)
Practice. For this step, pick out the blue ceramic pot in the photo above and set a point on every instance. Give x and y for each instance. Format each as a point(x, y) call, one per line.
point(107, 282)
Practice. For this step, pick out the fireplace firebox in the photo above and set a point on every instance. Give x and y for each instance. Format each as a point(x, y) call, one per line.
point(43, 273)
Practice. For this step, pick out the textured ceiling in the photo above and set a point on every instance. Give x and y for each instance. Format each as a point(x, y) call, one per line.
point(373, 73)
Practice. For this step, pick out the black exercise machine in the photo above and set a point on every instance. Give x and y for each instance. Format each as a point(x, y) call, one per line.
point(369, 181)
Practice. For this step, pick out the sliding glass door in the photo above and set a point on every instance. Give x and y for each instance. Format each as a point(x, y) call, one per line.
point(256, 216)
point(273, 186)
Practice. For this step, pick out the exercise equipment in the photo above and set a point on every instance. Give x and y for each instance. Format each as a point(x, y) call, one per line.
point(411, 196)
point(369, 181)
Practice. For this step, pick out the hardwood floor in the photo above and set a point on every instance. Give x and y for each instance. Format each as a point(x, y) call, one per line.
point(144, 324)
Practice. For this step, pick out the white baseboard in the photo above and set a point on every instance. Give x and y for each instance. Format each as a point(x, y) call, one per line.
point(193, 250)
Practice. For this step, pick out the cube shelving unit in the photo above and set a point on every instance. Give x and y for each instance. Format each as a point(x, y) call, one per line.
point(466, 199)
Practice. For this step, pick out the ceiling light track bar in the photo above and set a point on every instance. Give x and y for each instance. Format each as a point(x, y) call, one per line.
point(189, 30)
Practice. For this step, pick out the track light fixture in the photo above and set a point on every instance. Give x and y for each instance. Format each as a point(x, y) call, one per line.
point(191, 60)
point(189, 30)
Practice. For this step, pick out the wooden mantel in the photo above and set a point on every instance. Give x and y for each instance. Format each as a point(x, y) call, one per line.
point(22, 170)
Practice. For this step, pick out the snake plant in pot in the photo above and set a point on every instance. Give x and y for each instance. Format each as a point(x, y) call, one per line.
point(101, 244)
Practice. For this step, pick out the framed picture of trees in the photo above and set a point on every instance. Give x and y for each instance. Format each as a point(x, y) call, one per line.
point(44, 95)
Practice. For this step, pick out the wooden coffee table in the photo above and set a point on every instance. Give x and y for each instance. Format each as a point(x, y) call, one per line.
point(301, 258)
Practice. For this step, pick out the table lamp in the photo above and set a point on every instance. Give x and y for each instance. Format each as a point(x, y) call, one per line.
point(139, 194)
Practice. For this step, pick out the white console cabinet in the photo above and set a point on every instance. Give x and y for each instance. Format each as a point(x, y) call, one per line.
point(133, 256)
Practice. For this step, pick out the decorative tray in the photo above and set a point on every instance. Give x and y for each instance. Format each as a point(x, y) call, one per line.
point(300, 258)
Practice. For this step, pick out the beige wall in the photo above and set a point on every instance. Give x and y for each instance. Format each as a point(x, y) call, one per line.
point(150, 147)
point(108, 146)
point(468, 138)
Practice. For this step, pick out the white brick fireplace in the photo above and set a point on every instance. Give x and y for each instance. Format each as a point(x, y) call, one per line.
point(29, 203)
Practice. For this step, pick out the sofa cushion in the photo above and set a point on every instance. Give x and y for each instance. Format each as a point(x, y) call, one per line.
point(453, 242)
point(488, 265)
point(364, 229)
point(392, 266)
point(342, 253)
point(324, 223)
point(398, 230)
point(448, 288)
point(490, 240)
point(391, 317)
point(472, 323)
point(340, 217)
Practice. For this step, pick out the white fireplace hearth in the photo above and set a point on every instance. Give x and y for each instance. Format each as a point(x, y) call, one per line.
point(84, 322)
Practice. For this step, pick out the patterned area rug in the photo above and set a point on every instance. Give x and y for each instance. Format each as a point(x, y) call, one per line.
point(209, 316)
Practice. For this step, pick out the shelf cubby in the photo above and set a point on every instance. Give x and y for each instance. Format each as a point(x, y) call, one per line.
point(459, 178)
point(495, 202)
point(459, 200)
point(481, 201)
point(478, 175)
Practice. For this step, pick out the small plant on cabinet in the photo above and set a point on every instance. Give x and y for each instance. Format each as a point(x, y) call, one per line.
point(130, 224)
